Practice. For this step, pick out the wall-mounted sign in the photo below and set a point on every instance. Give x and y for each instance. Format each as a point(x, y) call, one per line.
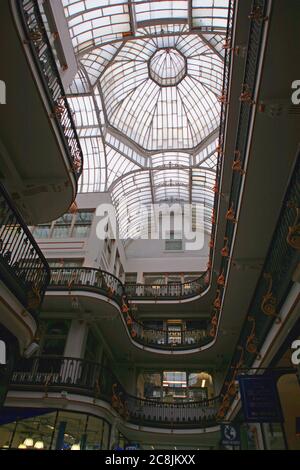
point(260, 399)
point(132, 447)
point(230, 435)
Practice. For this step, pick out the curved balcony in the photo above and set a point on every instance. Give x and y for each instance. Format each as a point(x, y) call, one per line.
point(110, 285)
point(43, 178)
point(57, 374)
point(41, 49)
point(273, 287)
point(23, 267)
point(106, 284)
point(171, 291)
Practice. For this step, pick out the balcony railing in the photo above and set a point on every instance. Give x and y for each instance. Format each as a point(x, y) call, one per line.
point(82, 377)
point(106, 284)
point(172, 290)
point(272, 288)
point(283, 255)
point(164, 339)
point(87, 279)
point(44, 59)
point(22, 265)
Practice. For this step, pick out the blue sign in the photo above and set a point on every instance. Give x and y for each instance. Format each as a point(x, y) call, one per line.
point(132, 447)
point(230, 435)
point(260, 399)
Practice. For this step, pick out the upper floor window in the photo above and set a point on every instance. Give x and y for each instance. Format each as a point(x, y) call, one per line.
point(130, 277)
point(175, 386)
point(65, 263)
point(76, 225)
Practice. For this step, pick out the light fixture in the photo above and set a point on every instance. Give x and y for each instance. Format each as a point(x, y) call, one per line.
point(203, 383)
point(28, 442)
point(75, 447)
point(39, 445)
point(22, 446)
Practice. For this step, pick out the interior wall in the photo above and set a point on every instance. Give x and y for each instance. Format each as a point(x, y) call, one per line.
point(151, 256)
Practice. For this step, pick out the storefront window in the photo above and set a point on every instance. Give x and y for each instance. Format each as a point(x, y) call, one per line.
point(34, 433)
point(274, 438)
point(57, 430)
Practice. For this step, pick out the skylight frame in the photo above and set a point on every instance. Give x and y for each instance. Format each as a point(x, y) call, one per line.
point(116, 159)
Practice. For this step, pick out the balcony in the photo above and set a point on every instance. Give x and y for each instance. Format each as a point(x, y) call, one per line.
point(23, 267)
point(170, 291)
point(278, 275)
point(41, 157)
point(59, 374)
point(107, 285)
point(24, 274)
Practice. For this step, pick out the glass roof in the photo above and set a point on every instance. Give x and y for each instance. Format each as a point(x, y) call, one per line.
point(146, 100)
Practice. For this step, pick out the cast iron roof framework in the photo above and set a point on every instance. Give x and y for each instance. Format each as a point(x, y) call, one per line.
point(146, 100)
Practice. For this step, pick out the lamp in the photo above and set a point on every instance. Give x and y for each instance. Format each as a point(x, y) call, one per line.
point(75, 447)
point(28, 442)
point(22, 446)
point(39, 445)
point(203, 383)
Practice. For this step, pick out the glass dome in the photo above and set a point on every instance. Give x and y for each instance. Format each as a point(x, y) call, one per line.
point(146, 98)
point(167, 67)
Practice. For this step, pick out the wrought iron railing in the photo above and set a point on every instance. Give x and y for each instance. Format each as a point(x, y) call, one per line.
point(164, 339)
point(272, 288)
point(87, 279)
point(256, 28)
point(172, 290)
point(44, 59)
point(104, 283)
point(282, 258)
point(89, 378)
point(223, 121)
point(22, 264)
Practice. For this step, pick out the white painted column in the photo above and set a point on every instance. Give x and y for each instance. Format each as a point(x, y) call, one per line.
point(76, 339)
point(114, 433)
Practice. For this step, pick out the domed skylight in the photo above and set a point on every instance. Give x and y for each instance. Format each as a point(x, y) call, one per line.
point(146, 99)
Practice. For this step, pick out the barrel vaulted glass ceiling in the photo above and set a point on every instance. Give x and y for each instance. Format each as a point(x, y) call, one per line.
point(146, 99)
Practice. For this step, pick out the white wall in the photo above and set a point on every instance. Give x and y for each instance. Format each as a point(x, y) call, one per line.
point(139, 256)
point(151, 256)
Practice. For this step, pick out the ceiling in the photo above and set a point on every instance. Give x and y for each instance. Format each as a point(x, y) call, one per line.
point(146, 101)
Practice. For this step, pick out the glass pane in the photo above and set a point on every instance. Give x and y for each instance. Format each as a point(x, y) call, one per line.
point(71, 428)
point(94, 434)
point(81, 231)
point(174, 379)
point(105, 437)
point(42, 231)
point(6, 434)
point(36, 431)
point(62, 231)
